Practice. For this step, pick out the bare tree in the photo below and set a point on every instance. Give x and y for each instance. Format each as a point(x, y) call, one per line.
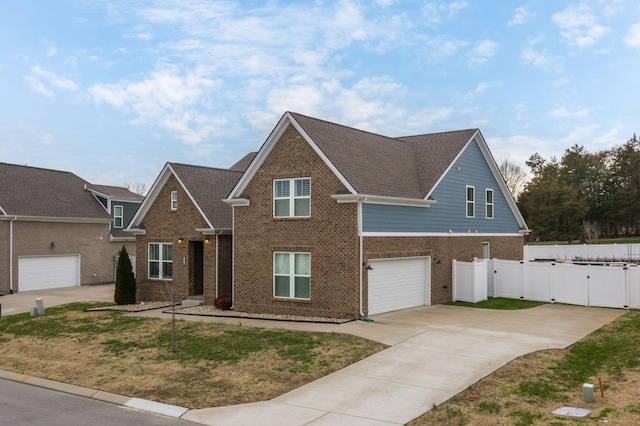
point(136, 187)
point(172, 296)
point(514, 175)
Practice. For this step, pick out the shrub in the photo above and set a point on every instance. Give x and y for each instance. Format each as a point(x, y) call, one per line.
point(223, 302)
point(125, 293)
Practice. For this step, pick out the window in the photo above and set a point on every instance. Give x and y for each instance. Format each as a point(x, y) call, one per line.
point(174, 200)
point(288, 203)
point(486, 250)
point(489, 204)
point(471, 201)
point(292, 275)
point(117, 216)
point(161, 261)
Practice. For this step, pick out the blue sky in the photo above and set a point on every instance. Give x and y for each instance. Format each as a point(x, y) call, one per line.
point(111, 90)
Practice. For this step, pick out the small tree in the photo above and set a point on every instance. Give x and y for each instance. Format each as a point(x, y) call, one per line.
point(125, 281)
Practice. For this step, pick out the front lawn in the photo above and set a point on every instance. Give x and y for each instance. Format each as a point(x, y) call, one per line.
point(215, 364)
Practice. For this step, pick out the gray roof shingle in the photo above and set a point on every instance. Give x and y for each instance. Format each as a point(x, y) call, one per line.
point(116, 192)
point(33, 191)
point(209, 186)
point(373, 164)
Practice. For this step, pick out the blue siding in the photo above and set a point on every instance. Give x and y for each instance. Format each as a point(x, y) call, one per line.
point(449, 212)
point(128, 210)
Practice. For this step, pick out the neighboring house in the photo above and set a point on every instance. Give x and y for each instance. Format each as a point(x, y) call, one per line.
point(121, 204)
point(183, 233)
point(332, 221)
point(54, 230)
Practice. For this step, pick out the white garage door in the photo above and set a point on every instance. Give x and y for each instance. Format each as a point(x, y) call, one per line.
point(44, 272)
point(399, 284)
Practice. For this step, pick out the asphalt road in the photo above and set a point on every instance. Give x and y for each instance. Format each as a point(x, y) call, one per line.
point(22, 404)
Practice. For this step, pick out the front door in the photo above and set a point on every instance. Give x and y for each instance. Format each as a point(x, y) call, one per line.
point(198, 268)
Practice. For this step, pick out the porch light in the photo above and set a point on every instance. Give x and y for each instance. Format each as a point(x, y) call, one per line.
point(180, 240)
point(368, 267)
point(207, 240)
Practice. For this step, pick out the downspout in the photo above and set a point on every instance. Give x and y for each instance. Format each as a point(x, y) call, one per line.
point(233, 257)
point(217, 256)
point(360, 263)
point(11, 255)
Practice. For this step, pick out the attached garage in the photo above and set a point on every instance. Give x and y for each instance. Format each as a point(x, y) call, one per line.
point(399, 283)
point(46, 272)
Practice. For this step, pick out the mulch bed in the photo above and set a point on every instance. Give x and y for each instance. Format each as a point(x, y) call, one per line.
point(208, 310)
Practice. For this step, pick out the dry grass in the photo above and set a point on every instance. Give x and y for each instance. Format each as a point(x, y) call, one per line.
point(215, 365)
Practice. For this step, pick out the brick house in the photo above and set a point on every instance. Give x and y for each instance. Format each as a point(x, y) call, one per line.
point(332, 221)
point(183, 233)
point(58, 230)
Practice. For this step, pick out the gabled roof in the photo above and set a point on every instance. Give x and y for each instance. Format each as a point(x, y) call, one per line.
point(116, 193)
point(35, 192)
point(395, 170)
point(372, 164)
point(206, 187)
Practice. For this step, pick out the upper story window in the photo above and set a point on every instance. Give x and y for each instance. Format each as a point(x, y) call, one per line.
point(117, 216)
point(489, 204)
point(161, 261)
point(292, 275)
point(292, 197)
point(471, 201)
point(174, 200)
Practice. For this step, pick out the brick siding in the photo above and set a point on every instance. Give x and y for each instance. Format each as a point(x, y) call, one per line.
point(164, 225)
point(444, 249)
point(330, 235)
point(89, 240)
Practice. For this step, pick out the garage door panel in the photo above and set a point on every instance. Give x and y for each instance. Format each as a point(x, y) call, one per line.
point(398, 284)
point(46, 272)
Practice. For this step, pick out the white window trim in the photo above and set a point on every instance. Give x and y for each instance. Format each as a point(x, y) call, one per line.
point(116, 217)
point(292, 197)
point(292, 275)
point(487, 204)
point(486, 254)
point(174, 200)
point(160, 260)
point(467, 201)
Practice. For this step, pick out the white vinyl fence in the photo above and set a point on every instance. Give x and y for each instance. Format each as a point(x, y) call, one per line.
point(593, 252)
point(587, 285)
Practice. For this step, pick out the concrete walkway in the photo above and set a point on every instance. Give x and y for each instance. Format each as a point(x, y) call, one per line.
point(435, 353)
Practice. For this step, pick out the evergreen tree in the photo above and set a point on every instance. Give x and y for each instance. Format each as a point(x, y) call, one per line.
point(125, 281)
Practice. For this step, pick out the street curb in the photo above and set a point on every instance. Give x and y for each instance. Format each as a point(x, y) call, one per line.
point(111, 398)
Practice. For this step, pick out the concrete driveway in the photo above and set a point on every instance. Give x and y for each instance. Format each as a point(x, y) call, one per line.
point(21, 302)
point(436, 352)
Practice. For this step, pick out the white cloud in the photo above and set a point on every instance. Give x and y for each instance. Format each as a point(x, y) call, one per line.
point(520, 16)
point(578, 25)
point(563, 113)
point(633, 36)
point(436, 12)
point(43, 81)
point(51, 51)
point(536, 58)
point(169, 99)
point(442, 47)
point(483, 51)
